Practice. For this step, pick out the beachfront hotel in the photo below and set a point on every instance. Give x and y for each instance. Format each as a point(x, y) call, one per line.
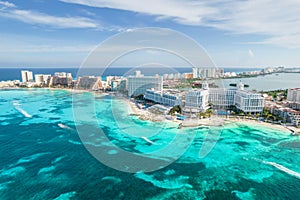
point(139, 84)
point(207, 72)
point(169, 97)
point(293, 94)
point(196, 100)
point(221, 98)
point(42, 78)
point(248, 101)
point(27, 76)
point(244, 100)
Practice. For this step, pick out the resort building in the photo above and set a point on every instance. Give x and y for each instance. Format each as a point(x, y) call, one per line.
point(27, 76)
point(293, 94)
point(169, 97)
point(203, 73)
point(89, 82)
point(196, 100)
point(281, 109)
point(63, 74)
point(249, 102)
point(221, 98)
point(57, 81)
point(139, 84)
point(246, 101)
point(42, 78)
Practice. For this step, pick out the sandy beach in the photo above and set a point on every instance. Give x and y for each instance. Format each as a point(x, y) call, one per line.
point(256, 123)
point(213, 121)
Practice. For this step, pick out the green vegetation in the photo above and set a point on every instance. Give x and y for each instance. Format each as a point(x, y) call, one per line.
point(175, 109)
point(269, 116)
point(205, 114)
point(277, 94)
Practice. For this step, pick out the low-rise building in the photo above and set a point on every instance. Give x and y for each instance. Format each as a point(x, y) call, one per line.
point(281, 109)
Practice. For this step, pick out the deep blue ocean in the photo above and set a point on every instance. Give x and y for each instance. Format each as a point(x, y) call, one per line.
point(46, 154)
point(15, 73)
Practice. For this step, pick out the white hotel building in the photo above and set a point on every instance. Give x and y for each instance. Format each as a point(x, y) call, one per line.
point(196, 100)
point(169, 98)
point(199, 72)
point(27, 76)
point(293, 94)
point(139, 84)
point(42, 78)
point(246, 101)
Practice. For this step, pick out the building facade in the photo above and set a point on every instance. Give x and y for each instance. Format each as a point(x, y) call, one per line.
point(170, 98)
point(42, 79)
point(203, 73)
point(139, 84)
point(248, 102)
point(221, 98)
point(293, 94)
point(196, 100)
point(27, 76)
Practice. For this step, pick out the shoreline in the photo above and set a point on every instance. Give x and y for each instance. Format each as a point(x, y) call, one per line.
point(144, 115)
point(254, 123)
point(147, 115)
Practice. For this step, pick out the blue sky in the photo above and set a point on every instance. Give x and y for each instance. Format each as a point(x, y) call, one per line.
point(61, 33)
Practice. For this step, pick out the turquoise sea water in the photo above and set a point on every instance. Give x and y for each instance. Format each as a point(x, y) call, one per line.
point(42, 156)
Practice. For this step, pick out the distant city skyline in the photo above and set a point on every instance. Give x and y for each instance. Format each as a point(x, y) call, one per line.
point(61, 33)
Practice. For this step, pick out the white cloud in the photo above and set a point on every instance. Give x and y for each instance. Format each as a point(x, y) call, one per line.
point(181, 11)
point(278, 21)
point(31, 17)
point(7, 4)
point(14, 43)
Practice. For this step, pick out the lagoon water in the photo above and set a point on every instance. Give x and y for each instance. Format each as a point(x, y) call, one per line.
point(42, 156)
point(266, 83)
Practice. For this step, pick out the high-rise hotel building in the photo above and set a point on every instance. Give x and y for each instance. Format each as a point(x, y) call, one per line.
point(139, 84)
point(203, 73)
point(244, 100)
point(293, 94)
point(27, 76)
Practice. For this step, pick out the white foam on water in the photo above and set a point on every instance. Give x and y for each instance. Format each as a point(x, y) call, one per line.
point(113, 179)
point(170, 172)
point(58, 159)
point(147, 140)
point(22, 111)
point(244, 195)
point(3, 186)
point(64, 126)
point(31, 158)
point(283, 168)
point(12, 171)
point(175, 183)
point(74, 142)
point(46, 170)
point(66, 196)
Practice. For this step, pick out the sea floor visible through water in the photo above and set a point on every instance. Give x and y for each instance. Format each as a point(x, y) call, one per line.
point(42, 156)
